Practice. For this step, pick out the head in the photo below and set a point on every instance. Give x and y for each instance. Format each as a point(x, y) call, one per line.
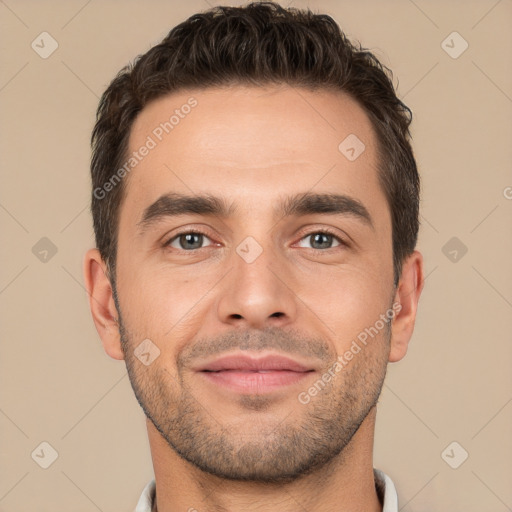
point(237, 134)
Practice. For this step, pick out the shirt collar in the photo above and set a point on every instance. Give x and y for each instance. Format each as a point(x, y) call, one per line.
point(384, 485)
point(386, 491)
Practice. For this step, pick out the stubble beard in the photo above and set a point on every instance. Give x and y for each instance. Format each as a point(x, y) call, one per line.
point(273, 448)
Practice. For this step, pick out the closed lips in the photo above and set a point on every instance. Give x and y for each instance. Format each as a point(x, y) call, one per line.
point(247, 364)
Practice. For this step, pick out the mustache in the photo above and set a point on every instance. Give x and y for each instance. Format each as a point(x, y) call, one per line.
point(291, 342)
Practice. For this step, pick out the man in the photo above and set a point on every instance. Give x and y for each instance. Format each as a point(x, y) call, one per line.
point(255, 205)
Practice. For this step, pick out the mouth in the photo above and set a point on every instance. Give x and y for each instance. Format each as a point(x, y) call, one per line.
point(245, 374)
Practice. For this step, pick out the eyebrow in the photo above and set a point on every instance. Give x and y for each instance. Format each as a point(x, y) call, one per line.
point(174, 204)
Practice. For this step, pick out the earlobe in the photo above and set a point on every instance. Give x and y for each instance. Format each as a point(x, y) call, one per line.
point(101, 302)
point(407, 295)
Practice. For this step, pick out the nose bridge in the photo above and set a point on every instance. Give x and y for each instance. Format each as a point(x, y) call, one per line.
point(256, 292)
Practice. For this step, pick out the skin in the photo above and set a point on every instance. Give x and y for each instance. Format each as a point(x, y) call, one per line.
point(215, 449)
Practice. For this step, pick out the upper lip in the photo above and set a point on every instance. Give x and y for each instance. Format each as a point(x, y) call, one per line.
point(248, 363)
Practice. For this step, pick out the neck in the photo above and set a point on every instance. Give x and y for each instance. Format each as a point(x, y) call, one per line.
point(345, 484)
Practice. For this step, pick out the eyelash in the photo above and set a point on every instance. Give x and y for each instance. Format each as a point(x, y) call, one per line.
point(325, 231)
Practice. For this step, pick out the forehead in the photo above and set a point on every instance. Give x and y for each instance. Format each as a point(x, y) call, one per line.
point(246, 141)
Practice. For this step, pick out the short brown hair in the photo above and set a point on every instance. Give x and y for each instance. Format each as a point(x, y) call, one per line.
point(258, 44)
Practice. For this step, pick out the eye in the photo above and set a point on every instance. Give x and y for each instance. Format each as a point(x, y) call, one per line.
point(194, 240)
point(187, 241)
point(321, 240)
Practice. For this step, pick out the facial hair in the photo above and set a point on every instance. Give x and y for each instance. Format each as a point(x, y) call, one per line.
point(279, 445)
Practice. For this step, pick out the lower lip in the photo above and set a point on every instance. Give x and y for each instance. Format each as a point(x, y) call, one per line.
point(255, 382)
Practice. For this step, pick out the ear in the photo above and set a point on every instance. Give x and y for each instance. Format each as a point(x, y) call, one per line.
point(101, 302)
point(407, 296)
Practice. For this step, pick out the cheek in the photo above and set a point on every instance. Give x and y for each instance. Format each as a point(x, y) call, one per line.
point(348, 302)
point(162, 304)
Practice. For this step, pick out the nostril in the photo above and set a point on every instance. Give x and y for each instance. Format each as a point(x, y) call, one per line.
point(277, 314)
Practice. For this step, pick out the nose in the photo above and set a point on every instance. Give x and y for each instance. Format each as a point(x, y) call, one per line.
point(258, 293)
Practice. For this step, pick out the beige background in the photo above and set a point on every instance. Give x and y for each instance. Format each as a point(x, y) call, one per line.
point(56, 383)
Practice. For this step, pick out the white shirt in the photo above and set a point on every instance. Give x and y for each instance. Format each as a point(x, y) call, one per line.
point(385, 489)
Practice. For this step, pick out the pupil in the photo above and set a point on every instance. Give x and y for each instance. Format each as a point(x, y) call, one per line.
point(187, 241)
point(322, 239)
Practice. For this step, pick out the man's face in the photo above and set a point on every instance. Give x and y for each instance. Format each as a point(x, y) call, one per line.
point(260, 279)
